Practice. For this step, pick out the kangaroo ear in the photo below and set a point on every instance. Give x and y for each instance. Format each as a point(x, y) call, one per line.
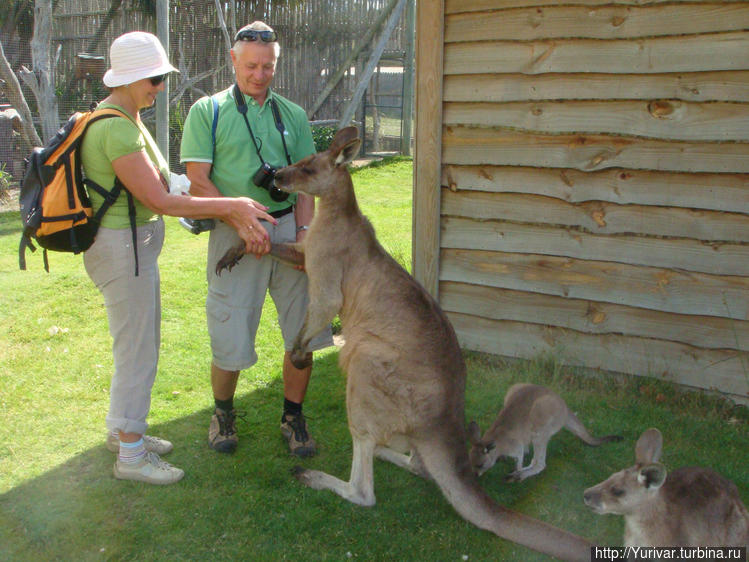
point(474, 433)
point(648, 447)
point(348, 152)
point(342, 138)
point(652, 476)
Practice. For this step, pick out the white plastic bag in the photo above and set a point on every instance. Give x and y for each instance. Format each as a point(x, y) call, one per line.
point(178, 183)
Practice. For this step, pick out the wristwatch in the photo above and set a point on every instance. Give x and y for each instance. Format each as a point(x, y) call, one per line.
point(303, 227)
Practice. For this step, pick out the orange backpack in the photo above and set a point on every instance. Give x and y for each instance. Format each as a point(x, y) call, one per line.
point(55, 206)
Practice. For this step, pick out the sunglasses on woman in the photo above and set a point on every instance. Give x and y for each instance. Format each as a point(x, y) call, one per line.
point(254, 35)
point(156, 80)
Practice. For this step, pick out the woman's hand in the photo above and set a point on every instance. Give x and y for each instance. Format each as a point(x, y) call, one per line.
point(143, 180)
point(244, 215)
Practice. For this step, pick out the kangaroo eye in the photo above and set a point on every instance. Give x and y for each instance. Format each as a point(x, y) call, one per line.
point(617, 492)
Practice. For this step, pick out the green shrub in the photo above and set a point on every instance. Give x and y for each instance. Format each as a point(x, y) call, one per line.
point(5, 178)
point(323, 136)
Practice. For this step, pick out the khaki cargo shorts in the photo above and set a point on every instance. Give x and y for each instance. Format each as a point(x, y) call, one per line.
point(235, 299)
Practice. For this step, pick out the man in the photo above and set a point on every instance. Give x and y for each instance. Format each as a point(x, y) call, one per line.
point(255, 128)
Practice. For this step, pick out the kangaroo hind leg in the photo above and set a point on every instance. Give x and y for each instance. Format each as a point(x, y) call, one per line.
point(360, 487)
point(411, 462)
point(537, 464)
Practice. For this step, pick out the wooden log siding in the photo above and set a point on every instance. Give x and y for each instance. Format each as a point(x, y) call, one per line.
point(604, 22)
point(686, 86)
point(595, 184)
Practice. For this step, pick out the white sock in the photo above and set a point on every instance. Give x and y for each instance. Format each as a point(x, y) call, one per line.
point(131, 453)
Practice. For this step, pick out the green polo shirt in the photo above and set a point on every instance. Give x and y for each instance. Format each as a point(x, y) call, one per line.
point(236, 159)
point(105, 141)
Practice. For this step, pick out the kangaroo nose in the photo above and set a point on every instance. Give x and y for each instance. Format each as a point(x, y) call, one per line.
point(588, 496)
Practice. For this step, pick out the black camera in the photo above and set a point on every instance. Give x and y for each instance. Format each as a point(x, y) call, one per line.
point(264, 178)
point(196, 226)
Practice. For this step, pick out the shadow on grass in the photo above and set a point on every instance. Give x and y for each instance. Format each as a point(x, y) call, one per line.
point(78, 510)
point(248, 505)
point(10, 223)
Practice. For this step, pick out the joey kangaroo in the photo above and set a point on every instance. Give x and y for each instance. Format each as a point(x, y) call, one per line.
point(687, 507)
point(532, 414)
point(405, 372)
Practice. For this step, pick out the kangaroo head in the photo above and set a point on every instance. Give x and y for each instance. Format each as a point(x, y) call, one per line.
point(628, 490)
point(318, 174)
point(485, 451)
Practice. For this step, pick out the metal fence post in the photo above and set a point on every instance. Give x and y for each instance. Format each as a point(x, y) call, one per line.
point(162, 101)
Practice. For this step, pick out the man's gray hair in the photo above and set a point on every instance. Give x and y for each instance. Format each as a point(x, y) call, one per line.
point(258, 26)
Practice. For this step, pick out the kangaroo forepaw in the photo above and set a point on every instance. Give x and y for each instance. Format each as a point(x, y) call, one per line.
point(300, 359)
point(230, 258)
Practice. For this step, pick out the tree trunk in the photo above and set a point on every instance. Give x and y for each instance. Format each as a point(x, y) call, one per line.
point(18, 101)
point(41, 79)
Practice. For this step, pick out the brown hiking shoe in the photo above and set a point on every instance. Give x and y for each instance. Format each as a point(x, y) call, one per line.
point(294, 430)
point(222, 434)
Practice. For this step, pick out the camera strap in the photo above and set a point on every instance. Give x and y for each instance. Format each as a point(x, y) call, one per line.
point(242, 108)
point(280, 127)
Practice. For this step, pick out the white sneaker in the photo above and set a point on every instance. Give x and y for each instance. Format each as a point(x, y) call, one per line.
point(154, 444)
point(151, 470)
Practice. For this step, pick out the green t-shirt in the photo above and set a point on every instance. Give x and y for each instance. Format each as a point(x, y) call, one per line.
point(105, 141)
point(236, 159)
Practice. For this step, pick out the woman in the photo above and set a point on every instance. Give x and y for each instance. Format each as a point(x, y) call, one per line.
point(122, 147)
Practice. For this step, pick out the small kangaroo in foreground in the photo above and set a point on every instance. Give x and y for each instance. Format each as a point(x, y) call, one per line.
point(405, 372)
point(686, 507)
point(531, 414)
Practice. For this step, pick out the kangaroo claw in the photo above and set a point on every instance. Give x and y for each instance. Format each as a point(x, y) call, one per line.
point(230, 259)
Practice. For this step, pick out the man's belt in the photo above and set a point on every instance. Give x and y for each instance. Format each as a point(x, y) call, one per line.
point(282, 212)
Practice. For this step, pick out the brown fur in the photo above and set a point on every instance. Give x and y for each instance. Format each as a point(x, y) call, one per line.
point(406, 375)
point(532, 414)
point(687, 507)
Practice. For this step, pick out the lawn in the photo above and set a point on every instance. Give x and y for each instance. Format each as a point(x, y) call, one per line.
point(59, 500)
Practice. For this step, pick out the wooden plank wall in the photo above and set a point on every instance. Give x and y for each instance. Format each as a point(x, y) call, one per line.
point(595, 196)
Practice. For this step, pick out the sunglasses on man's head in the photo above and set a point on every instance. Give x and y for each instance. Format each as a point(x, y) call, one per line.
point(254, 35)
point(156, 80)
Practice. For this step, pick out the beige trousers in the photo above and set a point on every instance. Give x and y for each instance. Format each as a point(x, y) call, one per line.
point(134, 312)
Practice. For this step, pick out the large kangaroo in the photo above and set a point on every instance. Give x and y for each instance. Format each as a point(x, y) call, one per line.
point(690, 506)
point(406, 376)
point(531, 414)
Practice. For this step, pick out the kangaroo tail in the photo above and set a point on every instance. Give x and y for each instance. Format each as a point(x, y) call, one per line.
point(576, 426)
point(461, 488)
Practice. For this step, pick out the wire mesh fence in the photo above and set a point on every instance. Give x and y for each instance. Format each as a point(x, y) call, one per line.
point(317, 38)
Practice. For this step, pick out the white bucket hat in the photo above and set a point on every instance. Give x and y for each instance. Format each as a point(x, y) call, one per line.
point(134, 56)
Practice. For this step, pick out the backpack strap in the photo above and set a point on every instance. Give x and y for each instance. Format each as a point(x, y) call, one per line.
point(25, 243)
point(33, 163)
point(213, 127)
point(110, 196)
point(131, 213)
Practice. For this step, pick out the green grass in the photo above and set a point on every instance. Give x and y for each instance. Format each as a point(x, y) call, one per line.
point(59, 501)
